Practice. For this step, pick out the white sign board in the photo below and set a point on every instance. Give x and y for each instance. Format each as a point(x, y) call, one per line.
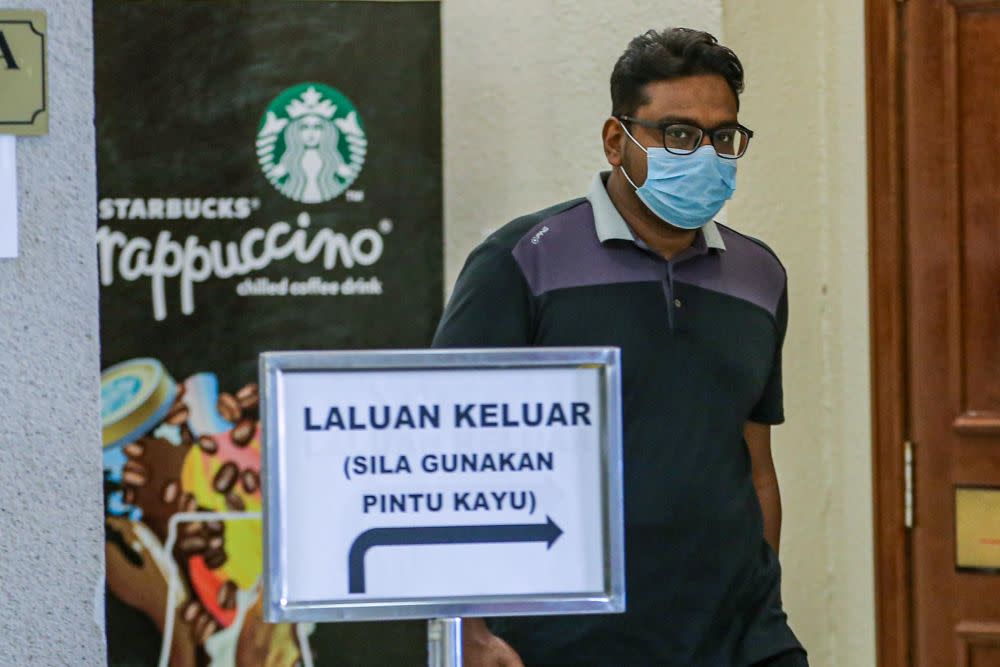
point(441, 483)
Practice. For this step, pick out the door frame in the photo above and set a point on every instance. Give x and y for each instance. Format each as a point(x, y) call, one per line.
point(887, 291)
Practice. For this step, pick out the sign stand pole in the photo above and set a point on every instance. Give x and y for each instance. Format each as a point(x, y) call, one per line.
point(444, 642)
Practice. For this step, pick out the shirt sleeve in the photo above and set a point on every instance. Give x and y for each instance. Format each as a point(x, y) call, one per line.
point(491, 306)
point(770, 407)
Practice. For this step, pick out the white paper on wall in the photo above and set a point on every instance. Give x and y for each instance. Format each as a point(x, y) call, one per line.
point(8, 196)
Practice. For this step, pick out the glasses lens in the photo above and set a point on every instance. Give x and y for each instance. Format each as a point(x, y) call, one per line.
point(730, 142)
point(681, 138)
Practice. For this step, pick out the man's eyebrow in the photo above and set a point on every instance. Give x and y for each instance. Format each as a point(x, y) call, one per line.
point(676, 119)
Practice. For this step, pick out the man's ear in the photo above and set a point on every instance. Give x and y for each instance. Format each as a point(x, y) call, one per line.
point(612, 135)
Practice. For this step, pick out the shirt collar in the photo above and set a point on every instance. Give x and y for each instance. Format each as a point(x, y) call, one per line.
point(610, 224)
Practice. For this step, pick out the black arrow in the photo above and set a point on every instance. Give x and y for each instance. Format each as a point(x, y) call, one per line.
point(547, 532)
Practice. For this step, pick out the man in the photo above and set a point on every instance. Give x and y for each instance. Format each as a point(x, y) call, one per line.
point(699, 312)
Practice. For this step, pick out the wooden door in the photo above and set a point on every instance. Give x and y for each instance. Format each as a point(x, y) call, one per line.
point(945, 150)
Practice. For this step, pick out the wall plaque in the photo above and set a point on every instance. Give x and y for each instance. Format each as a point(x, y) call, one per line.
point(23, 102)
point(977, 529)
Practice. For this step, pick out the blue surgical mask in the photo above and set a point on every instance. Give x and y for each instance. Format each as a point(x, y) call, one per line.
point(686, 191)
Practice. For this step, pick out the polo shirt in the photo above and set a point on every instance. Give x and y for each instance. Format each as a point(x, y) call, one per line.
point(700, 338)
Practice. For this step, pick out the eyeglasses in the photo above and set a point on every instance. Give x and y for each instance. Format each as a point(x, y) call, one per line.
point(683, 138)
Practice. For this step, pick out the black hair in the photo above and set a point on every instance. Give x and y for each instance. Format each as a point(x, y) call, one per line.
point(669, 54)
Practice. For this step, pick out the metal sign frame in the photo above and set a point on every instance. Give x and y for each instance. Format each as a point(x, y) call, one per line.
point(275, 365)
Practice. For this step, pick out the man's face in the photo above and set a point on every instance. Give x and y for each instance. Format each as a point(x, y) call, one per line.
point(705, 100)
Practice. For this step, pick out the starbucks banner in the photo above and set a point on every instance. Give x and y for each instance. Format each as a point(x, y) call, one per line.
point(269, 178)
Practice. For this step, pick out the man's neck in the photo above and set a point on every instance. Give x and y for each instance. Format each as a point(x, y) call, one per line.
point(663, 239)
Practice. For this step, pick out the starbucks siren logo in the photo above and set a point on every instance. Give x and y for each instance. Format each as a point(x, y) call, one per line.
point(311, 144)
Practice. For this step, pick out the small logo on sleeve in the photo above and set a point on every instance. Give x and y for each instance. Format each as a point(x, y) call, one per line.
point(538, 236)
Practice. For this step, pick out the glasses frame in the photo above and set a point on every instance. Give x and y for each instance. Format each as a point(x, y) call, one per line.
point(663, 126)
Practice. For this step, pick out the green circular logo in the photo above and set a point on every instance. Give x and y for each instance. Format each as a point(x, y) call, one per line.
point(311, 144)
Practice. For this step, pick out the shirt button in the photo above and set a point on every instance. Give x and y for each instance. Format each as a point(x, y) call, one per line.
point(677, 303)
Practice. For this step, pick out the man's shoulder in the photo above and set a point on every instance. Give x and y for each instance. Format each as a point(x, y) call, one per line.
point(752, 253)
point(523, 229)
point(751, 271)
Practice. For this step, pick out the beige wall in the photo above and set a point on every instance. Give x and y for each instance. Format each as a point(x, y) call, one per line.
point(525, 93)
point(51, 536)
point(803, 189)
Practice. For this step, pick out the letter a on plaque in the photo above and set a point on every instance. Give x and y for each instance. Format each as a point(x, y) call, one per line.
point(23, 101)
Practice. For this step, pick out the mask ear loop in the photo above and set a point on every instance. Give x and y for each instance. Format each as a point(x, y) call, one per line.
point(641, 147)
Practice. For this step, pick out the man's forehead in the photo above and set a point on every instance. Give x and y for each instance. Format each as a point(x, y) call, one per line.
point(706, 97)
